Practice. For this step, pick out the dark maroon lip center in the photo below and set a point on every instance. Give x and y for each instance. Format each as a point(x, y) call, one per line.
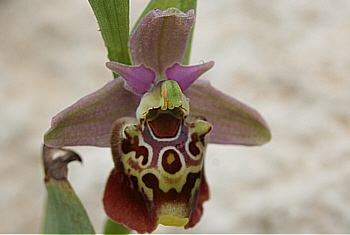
point(165, 126)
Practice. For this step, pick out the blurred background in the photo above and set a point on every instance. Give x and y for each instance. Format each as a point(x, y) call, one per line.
point(290, 60)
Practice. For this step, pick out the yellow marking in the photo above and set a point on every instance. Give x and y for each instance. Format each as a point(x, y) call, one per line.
point(173, 214)
point(172, 208)
point(170, 159)
point(170, 220)
point(195, 187)
point(164, 104)
point(166, 181)
point(170, 105)
point(201, 127)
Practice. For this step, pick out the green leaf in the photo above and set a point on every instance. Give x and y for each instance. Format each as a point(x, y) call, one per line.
point(113, 19)
point(115, 228)
point(65, 213)
point(183, 5)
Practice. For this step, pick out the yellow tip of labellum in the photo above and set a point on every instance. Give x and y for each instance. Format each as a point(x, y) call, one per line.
point(171, 220)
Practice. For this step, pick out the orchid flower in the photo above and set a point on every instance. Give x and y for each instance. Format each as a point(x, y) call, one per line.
point(158, 119)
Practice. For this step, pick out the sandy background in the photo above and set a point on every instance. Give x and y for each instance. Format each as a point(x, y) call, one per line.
point(290, 60)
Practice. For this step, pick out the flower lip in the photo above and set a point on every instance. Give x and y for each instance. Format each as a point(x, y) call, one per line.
point(158, 179)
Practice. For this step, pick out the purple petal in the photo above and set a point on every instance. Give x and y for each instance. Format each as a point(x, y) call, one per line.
point(185, 76)
point(233, 122)
point(138, 79)
point(89, 121)
point(161, 39)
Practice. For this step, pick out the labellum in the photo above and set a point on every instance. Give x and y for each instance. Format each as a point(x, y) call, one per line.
point(158, 176)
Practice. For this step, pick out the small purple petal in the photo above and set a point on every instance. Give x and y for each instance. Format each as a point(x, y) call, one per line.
point(137, 79)
point(233, 122)
point(89, 121)
point(185, 76)
point(161, 39)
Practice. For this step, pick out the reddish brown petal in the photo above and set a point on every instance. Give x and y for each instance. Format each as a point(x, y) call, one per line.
point(126, 206)
point(198, 209)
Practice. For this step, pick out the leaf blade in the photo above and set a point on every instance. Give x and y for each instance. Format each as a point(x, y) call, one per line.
point(112, 227)
point(65, 214)
point(113, 19)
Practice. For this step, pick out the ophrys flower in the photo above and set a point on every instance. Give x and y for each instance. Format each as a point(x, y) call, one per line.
point(157, 118)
